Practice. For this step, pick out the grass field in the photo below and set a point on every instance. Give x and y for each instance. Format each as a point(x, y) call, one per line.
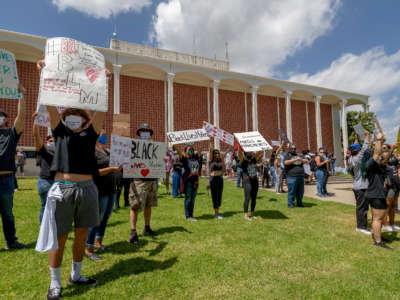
point(301, 253)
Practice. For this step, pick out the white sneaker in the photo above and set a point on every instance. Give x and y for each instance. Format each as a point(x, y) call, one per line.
point(387, 228)
point(247, 218)
point(395, 228)
point(364, 231)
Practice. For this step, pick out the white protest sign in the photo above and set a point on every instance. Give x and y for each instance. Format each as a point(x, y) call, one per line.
point(147, 160)
point(74, 76)
point(276, 143)
point(220, 134)
point(120, 151)
point(42, 118)
point(252, 141)
point(8, 76)
point(187, 136)
point(359, 129)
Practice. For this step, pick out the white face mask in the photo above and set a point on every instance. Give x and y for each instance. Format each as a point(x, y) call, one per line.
point(73, 122)
point(1, 121)
point(144, 135)
point(51, 146)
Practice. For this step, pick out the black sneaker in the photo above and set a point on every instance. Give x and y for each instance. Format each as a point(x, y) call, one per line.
point(383, 245)
point(54, 294)
point(149, 231)
point(133, 237)
point(15, 245)
point(84, 281)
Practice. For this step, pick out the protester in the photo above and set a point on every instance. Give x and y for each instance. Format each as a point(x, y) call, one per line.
point(392, 185)
point(272, 167)
point(177, 167)
point(376, 195)
point(307, 167)
point(191, 165)
point(239, 170)
point(21, 161)
point(295, 177)
point(143, 195)
point(265, 172)
point(228, 163)
point(357, 168)
point(217, 170)
point(279, 168)
point(332, 163)
point(123, 183)
point(322, 173)
point(44, 159)
point(106, 185)
point(168, 168)
point(248, 162)
point(9, 137)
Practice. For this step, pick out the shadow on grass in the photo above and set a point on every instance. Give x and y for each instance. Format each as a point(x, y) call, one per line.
point(270, 214)
point(115, 223)
point(172, 229)
point(123, 268)
point(123, 247)
point(160, 247)
point(308, 204)
point(29, 246)
point(273, 200)
point(390, 237)
point(226, 214)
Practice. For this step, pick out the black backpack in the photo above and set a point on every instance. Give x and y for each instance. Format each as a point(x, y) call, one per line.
point(313, 165)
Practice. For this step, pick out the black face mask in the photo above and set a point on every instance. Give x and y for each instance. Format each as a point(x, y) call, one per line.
point(293, 151)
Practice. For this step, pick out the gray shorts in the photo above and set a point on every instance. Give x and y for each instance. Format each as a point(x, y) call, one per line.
point(79, 204)
point(392, 193)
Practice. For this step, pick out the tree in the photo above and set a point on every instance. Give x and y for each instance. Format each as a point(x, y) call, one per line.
point(357, 117)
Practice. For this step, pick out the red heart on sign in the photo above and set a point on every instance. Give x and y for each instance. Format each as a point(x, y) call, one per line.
point(145, 172)
point(92, 74)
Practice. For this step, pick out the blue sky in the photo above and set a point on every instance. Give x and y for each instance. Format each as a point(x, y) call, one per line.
point(351, 45)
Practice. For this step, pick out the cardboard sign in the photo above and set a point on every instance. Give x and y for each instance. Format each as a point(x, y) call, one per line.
point(120, 151)
point(8, 76)
point(360, 130)
point(220, 134)
point(276, 143)
point(42, 118)
point(187, 136)
point(122, 125)
point(252, 141)
point(74, 76)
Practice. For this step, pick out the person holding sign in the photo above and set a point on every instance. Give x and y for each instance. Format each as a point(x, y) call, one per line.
point(74, 193)
point(9, 137)
point(191, 164)
point(322, 172)
point(143, 194)
point(217, 169)
point(248, 162)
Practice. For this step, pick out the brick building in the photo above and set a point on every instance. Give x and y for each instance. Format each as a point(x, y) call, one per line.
point(173, 91)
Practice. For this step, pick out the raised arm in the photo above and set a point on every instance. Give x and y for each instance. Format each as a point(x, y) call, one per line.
point(20, 119)
point(240, 153)
point(36, 135)
point(180, 153)
point(380, 139)
point(97, 121)
point(54, 116)
point(109, 170)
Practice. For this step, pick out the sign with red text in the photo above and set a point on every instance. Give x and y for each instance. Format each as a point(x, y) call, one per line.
point(220, 134)
point(42, 118)
point(252, 141)
point(120, 151)
point(187, 136)
point(74, 76)
point(8, 76)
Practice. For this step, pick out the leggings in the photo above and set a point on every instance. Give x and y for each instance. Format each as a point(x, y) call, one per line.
point(250, 192)
point(217, 186)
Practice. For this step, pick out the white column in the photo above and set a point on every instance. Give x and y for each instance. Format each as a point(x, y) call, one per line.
point(246, 121)
point(117, 71)
point(208, 105)
point(288, 94)
point(344, 129)
point(365, 108)
point(254, 107)
point(308, 127)
point(318, 121)
point(170, 79)
point(337, 140)
point(216, 109)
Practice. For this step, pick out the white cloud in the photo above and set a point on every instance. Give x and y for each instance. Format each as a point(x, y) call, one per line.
point(374, 73)
point(102, 8)
point(261, 34)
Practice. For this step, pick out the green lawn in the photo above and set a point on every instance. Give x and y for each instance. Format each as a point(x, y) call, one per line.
point(301, 253)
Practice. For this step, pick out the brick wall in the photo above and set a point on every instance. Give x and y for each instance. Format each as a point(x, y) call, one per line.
point(267, 117)
point(299, 124)
point(326, 124)
point(313, 130)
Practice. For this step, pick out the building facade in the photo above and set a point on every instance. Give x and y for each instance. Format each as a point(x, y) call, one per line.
point(173, 91)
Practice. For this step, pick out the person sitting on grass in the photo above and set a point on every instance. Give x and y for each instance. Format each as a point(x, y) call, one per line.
point(376, 194)
point(191, 165)
point(248, 162)
point(9, 137)
point(217, 169)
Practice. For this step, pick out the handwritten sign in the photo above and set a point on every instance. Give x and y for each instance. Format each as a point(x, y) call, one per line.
point(42, 118)
point(220, 134)
point(120, 151)
point(252, 141)
point(74, 76)
point(360, 130)
point(8, 76)
point(276, 143)
point(187, 136)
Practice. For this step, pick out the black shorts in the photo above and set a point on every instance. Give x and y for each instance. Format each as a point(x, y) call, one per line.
point(377, 203)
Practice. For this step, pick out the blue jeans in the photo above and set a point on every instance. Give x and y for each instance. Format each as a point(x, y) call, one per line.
point(322, 178)
point(43, 186)
point(176, 182)
point(190, 196)
point(273, 175)
point(278, 181)
point(107, 214)
point(239, 176)
point(103, 202)
point(333, 163)
point(295, 190)
point(6, 206)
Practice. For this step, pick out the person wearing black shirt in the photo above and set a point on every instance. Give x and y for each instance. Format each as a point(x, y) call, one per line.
point(9, 137)
point(239, 171)
point(217, 170)
point(177, 168)
point(376, 193)
point(248, 162)
point(295, 177)
point(322, 173)
point(44, 159)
